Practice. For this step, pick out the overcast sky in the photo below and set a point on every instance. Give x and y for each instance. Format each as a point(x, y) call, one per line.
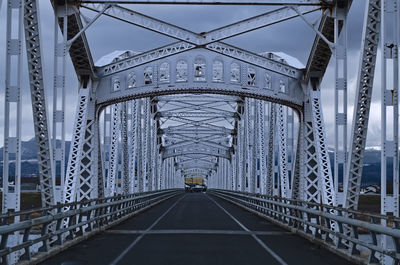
point(293, 37)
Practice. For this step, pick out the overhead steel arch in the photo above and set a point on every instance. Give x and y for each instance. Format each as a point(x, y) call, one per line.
point(194, 72)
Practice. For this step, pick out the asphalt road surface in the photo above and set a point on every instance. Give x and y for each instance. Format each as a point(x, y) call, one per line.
point(196, 228)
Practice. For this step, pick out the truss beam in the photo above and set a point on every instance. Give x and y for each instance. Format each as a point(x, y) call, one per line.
point(39, 104)
point(211, 2)
point(370, 40)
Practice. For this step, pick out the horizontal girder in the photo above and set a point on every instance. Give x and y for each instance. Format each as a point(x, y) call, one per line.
point(147, 22)
point(196, 149)
point(323, 3)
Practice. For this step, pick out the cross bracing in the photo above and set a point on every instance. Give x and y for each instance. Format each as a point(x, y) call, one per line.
point(244, 121)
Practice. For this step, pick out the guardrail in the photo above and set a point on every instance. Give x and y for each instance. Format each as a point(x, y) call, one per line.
point(52, 229)
point(354, 235)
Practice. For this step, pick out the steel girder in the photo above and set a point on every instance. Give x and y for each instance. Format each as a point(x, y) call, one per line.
point(246, 149)
point(113, 169)
point(169, 114)
point(208, 40)
point(126, 181)
point(340, 54)
point(39, 105)
point(196, 150)
point(322, 3)
point(133, 147)
point(188, 141)
point(107, 131)
point(75, 156)
point(262, 145)
point(370, 40)
point(12, 142)
point(59, 93)
point(271, 151)
point(299, 169)
point(318, 176)
point(145, 150)
point(253, 139)
point(79, 50)
point(390, 106)
point(282, 151)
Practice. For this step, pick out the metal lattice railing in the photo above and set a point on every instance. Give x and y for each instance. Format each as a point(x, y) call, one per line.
point(44, 229)
point(327, 225)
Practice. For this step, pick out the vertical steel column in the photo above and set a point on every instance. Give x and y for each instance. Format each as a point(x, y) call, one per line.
point(324, 165)
point(75, 155)
point(311, 177)
point(340, 53)
point(369, 47)
point(390, 105)
point(168, 173)
point(261, 145)
point(254, 147)
point(298, 172)
point(282, 149)
point(389, 113)
point(247, 149)
point(290, 145)
point(239, 156)
point(12, 106)
point(238, 175)
point(99, 173)
point(58, 127)
point(149, 157)
point(271, 152)
point(171, 175)
point(227, 178)
point(243, 152)
point(107, 144)
point(125, 147)
point(144, 157)
point(318, 176)
point(113, 171)
point(139, 135)
point(133, 147)
point(162, 177)
point(233, 172)
point(154, 155)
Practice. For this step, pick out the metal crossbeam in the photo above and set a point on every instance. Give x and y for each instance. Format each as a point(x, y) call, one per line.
point(193, 40)
point(324, 3)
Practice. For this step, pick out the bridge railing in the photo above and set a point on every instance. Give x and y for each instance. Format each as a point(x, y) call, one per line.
point(355, 235)
point(52, 229)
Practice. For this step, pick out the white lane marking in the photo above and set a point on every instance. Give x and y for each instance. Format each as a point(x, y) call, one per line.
point(123, 253)
point(259, 241)
point(199, 231)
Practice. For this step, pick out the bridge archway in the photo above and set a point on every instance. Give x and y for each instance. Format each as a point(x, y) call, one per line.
point(202, 72)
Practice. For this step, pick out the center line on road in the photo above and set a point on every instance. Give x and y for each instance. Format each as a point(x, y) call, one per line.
point(118, 259)
point(259, 241)
point(198, 231)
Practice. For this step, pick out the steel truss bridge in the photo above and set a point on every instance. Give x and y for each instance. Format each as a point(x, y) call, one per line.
point(250, 124)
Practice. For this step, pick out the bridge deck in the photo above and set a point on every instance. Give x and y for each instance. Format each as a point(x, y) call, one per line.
point(196, 229)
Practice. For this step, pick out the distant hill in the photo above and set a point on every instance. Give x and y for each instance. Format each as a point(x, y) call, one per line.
point(29, 166)
point(371, 171)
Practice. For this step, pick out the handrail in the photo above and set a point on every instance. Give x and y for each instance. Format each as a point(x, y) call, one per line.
point(63, 223)
point(335, 228)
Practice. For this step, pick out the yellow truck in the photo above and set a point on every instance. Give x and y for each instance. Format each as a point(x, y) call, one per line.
point(194, 181)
